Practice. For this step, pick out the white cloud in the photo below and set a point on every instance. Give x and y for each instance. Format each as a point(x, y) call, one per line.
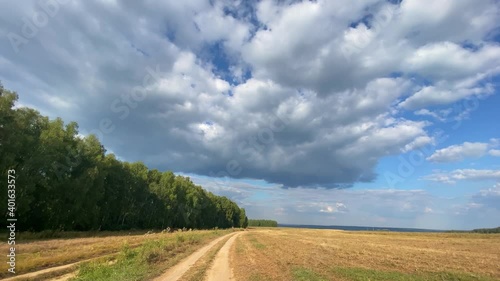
point(443, 93)
point(457, 153)
point(448, 22)
point(324, 70)
point(429, 47)
point(426, 112)
point(337, 208)
point(495, 142)
point(494, 152)
point(464, 174)
point(419, 142)
point(436, 59)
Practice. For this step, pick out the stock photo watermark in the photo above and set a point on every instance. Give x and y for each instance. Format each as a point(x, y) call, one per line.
point(411, 161)
point(11, 220)
point(31, 25)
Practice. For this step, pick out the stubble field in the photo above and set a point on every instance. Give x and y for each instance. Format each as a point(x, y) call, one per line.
point(305, 254)
point(261, 254)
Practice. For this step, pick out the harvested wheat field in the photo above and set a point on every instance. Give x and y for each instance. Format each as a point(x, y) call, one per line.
point(305, 254)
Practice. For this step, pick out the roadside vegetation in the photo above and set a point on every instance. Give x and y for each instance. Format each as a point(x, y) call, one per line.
point(41, 254)
point(318, 255)
point(148, 260)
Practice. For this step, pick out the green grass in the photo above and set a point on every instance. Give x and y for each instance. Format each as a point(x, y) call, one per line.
point(131, 264)
point(144, 262)
point(256, 242)
point(304, 274)
point(362, 274)
point(124, 269)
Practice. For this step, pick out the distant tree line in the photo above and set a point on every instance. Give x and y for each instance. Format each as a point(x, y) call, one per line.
point(487, 230)
point(68, 182)
point(479, 230)
point(267, 223)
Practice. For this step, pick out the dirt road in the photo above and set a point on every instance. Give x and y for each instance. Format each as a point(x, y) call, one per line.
point(221, 270)
point(177, 271)
point(55, 269)
point(218, 271)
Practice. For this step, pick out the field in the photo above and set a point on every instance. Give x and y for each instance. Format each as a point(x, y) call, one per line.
point(304, 254)
point(108, 254)
point(288, 254)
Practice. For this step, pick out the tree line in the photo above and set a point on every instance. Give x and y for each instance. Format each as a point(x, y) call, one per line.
point(267, 223)
point(487, 230)
point(68, 182)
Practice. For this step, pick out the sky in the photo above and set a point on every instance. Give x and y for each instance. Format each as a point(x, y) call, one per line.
point(371, 113)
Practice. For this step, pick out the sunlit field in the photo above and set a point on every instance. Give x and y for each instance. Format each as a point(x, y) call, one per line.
point(135, 256)
point(304, 254)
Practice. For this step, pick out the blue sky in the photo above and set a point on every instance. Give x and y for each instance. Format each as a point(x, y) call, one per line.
point(372, 112)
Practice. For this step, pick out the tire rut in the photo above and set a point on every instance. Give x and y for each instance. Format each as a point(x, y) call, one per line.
point(221, 269)
point(178, 270)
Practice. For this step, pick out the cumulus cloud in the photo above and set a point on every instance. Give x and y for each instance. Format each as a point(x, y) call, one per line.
point(464, 174)
point(443, 94)
point(456, 153)
point(235, 93)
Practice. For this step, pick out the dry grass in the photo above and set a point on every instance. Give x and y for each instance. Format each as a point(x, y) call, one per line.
point(149, 260)
point(36, 255)
point(304, 254)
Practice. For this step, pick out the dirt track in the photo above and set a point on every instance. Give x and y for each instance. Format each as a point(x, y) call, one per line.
point(220, 270)
point(39, 273)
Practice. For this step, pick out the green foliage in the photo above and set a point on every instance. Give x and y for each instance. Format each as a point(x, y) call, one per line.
point(69, 183)
point(487, 230)
point(479, 230)
point(243, 218)
point(304, 274)
point(266, 223)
